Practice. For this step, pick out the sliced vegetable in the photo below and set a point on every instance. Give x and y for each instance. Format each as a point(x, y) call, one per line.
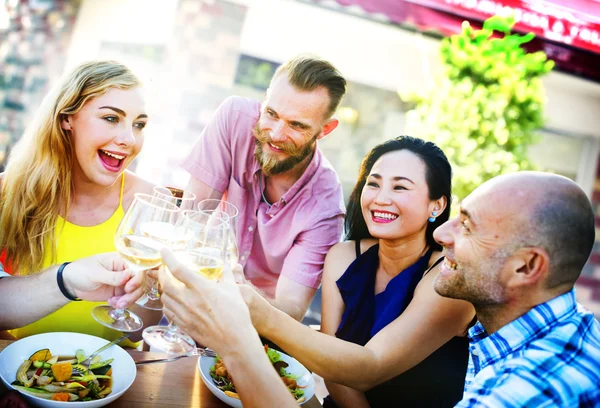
point(89, 377)
point(80, 355)
point(44, 380)
point(39, 364)
point(95, 360)
point(55, 388)
point(104, 370)
point(52, 360)
point(61, 396)
point(94, 366)
point(105, 392)
point(41, 355)
point(34, 391)
point(232, 394)
point(62, 371)
point(22, 374)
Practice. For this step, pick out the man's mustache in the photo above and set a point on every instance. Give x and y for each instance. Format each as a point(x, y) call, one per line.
point(263, 137)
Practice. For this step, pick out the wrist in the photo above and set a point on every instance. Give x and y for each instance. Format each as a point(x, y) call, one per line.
point(63, 278)
point(242, 349)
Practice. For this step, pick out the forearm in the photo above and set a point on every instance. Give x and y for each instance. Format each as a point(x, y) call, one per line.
point(288, 307)
point(256, 381)
point(346, 397)
point(25, 299)
point(333, 359)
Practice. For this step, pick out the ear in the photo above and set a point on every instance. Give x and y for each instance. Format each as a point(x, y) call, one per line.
point(328, 128)
point(439, 205)
point(529, 266)
point(65, 122)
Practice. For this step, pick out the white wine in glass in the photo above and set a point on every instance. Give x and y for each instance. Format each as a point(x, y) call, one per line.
point(211, 205)
point(167, 233)
point(139, 250)
point(205, 261)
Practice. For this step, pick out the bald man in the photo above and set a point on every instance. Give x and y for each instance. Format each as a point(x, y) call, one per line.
point(515, 252)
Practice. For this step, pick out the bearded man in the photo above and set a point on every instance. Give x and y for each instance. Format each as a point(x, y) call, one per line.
point(264, 160)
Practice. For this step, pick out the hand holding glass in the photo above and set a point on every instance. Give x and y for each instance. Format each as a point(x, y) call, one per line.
point(203, 250)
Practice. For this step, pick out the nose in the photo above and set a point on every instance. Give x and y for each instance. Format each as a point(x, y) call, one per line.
point(382, 197)
point(277, 132)
point(126, 137)
point(443, 234)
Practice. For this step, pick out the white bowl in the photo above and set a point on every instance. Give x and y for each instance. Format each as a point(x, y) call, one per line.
point(123, 366)
point(304, 378)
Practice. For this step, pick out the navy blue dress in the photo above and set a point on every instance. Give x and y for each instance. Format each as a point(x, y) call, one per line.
point(437, 381)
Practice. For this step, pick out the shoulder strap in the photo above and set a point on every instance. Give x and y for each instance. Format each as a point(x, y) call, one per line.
point(357, 246)
point(122, 188)
point(436, 263)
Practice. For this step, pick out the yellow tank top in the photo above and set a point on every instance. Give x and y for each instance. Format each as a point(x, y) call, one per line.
point(75, 242)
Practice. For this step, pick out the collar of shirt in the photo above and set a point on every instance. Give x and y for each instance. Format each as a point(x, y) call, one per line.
point(488, 349)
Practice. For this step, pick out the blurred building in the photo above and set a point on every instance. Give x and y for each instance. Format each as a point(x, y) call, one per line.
point(195, 53)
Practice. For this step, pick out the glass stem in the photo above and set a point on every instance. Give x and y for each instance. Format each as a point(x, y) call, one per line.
point(171, 334)
point(118, 314)
point(153, 293)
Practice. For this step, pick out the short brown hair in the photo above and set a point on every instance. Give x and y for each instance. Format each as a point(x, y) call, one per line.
point(307, 73)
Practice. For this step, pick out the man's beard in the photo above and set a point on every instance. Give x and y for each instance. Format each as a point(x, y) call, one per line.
point(269, 164)
point(477, 284)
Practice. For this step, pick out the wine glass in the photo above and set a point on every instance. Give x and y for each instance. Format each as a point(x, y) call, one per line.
point(232, 212)
point(203, 250)
point(185, 200)
point(139, 238)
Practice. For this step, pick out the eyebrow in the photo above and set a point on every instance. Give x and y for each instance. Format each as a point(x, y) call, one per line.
point(396, 178)
point(302, 124)
point(122, 112)
point(467, 214)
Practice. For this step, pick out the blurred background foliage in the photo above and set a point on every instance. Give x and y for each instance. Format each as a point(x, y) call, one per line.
point(485, 105)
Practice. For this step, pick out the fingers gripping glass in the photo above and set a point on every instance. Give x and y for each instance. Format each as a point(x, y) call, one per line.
point(147, 226)
point(185, 200)
point(203, 250)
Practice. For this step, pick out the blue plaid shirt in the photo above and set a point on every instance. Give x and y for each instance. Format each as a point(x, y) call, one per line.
point(549, 357)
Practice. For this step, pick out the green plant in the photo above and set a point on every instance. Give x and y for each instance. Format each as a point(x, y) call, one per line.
point(485, 105)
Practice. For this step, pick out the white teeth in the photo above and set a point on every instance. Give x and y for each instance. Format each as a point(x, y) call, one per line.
point(273, 146)
point(386, 216)
point(116, 156)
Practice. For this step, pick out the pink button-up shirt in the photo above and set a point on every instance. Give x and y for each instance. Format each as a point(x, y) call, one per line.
point(289, 238)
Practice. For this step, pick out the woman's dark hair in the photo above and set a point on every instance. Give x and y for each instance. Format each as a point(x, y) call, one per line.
point(438, 175)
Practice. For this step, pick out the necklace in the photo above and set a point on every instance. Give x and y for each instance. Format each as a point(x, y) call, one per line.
point(262, 190)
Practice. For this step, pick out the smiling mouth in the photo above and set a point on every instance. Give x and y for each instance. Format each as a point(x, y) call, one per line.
point(272, 146)
point(111, 161)
point(383, 216)
point(449, 264)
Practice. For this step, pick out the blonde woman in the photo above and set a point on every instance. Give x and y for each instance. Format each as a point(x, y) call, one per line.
point(66, 187)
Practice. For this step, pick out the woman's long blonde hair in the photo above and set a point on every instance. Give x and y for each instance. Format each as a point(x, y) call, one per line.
point(37, 184)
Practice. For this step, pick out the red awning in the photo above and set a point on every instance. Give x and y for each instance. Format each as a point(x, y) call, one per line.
point(569, 35)
point(576, 24)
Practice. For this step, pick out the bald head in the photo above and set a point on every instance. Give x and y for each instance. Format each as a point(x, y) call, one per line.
point(550, 212)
